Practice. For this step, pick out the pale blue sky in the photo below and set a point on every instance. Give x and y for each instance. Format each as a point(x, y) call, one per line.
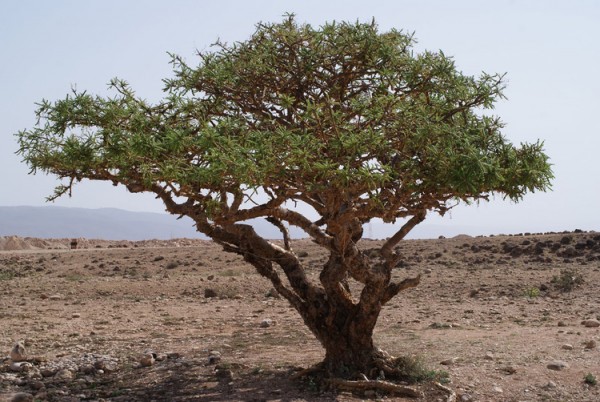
point(550, 50)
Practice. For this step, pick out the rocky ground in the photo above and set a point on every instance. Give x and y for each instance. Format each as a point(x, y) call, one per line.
point(506, 318)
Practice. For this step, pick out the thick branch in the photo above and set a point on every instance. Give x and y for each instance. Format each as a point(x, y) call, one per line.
point(394, 288)
point(386, 249)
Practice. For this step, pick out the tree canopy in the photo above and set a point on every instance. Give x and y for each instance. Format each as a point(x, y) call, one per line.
point(343, 119)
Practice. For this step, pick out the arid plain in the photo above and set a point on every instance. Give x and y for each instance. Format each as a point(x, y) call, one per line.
point(505, 318)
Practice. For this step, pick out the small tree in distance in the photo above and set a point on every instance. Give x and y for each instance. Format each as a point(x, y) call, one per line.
point(342, 121)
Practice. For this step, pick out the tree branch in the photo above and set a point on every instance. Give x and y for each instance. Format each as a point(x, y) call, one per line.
point(284, 231)
point(386, 250)
point(394, 288)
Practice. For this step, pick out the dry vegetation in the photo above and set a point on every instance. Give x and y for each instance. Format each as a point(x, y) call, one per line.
point(491, 314)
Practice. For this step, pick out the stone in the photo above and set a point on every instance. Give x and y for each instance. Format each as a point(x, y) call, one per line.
point(57, 296)
point(209, 293)
point(489, 356)
point(17, 354)
point(449, 362)
point(557, 365)
point(106, 366)
point(567, 346)
point(498, 390)
point(550, 385)
point(37, 385)
point(590, 344)
point(224, 374)
point(19, 367)
point(562, 324)
point(266, 323)
point(21, 397)
point(147, 360)
point(173, 355)
point(272, 293)
point(508, 370)
point(591, 323)
point(214, 357)
point(64, 375)
point(75, 315)
point(48, 372)
point(87, 369)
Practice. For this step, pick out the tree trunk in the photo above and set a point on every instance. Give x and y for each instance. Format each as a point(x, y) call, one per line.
point(349, 355)
point(347, 339)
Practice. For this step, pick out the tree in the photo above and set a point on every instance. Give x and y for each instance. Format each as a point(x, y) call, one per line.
point(341, 122)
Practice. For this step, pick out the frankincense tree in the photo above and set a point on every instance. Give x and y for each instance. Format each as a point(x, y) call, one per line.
point(343, 121)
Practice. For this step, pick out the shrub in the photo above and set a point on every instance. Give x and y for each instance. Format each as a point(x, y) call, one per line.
point(568, 280)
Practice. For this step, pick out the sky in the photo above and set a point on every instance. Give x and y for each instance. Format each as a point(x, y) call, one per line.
point(550, 51)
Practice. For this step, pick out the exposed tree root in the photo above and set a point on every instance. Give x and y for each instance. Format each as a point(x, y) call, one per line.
point(317, 368)
point(384, 369)
point(375, 385)
point(451, 394)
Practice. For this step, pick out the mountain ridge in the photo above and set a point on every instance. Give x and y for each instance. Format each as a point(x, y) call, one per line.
point(102, 223)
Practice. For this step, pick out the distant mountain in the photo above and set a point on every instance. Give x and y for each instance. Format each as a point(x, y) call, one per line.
point(105, 223)
point(117, 224)
point(108, 224)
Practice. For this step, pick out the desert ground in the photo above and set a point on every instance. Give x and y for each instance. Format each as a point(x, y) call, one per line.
point(501, 318)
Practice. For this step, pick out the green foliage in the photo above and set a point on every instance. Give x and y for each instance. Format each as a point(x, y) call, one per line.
point(340, 115)
point(413, 369)
point(568, 279)
point(590, 379)
point(532, 292)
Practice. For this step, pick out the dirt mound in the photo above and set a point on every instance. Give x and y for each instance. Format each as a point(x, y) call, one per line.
point(11, 243)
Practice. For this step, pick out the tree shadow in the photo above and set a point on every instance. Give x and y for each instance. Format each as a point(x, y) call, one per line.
point(170, 382)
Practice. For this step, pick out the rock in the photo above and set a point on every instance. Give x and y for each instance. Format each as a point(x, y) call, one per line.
point(562, 324)
point(466, 398)
point(48, 371)
point(147, 360)
point(56, 296)
point(37, 385)
point(557, 365)
point(21, 397)
point(550, 385)
point(208, 293)
point(266, 323)
point(87, 369)
point(214, 357)
point(105, 366)
point(489, 356)
point(75, 315)
point(173, 355)
point(591, 323)
point(508, 370)
point(64, 375)
point(272, 293)
point(17, 354)
point(449, 362)
point(498, 390)
point(224, 374)
point(590, 344)
point(567, 346)
point(19, 367)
